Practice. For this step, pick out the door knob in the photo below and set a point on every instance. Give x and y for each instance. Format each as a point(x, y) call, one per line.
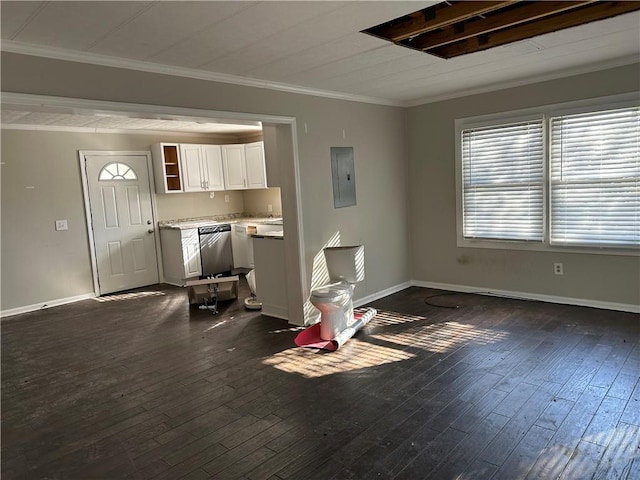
point(148, 222)
point(150, 230)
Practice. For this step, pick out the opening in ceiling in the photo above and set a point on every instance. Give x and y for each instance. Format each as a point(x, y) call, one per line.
point(453, 28)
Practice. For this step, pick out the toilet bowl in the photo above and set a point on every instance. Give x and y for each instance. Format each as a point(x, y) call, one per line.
point(336, 308)
point(334, 300)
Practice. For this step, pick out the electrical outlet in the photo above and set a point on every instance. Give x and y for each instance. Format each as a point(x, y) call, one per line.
point(61, 225)
point(558, 269)
point(269, 208)
point(226, 199)
point(212, 194)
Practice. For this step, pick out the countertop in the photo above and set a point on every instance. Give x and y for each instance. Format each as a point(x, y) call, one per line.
point(188, 223)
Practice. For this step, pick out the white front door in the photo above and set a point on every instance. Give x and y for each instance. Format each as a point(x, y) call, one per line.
point(122, 220)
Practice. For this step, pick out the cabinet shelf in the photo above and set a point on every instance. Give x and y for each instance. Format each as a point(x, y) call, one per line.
point(168, 174)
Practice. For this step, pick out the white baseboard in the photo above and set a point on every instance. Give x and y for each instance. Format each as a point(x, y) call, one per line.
point(383, 293)
point(582, 302)
point(283, 314)
point(39, 306)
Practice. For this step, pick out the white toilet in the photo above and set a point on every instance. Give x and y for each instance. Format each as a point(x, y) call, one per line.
point(346, 268)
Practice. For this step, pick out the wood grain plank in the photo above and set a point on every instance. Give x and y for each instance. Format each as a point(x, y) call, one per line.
point(143, 388)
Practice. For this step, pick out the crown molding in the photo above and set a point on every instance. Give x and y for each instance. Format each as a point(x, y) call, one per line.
point(22, 48)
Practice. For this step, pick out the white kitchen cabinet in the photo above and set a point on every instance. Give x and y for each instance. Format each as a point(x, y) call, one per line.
point(202, 167)
point(180, 255)
point(212, 166)
point(271, 156)
point(255, 166)
point(244, 166)
point(242, 245)
point(166, 167)
point(235, 173)
point(271, 280)
point(187, 167)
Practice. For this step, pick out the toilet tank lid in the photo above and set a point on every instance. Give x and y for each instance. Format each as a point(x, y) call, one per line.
point(344, 247)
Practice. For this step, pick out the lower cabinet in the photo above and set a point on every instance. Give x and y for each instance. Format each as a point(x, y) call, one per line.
point(271, 280)
point(180, 255)
point(242, 245)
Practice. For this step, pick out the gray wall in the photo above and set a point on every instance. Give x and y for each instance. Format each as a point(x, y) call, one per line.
point(434, 254)
point(257, 202)
point(41, 183)
point(377, 133)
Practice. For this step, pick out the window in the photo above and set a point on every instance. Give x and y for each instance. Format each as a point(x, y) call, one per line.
point(117, 171)
point(595, 178)
point(580, 188)
point(503, 180)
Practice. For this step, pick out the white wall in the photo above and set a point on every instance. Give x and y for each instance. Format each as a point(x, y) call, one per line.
point(377, 134)
point(434, 254)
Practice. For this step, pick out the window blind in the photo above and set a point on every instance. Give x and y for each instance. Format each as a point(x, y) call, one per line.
point(503, 178)
point(595, 178)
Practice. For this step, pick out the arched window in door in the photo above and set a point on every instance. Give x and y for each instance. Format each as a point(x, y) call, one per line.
point(117, 171)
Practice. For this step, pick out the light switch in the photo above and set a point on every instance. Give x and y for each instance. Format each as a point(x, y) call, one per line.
point(61, 225)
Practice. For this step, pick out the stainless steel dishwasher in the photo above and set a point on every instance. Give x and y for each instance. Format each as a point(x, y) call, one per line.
point(215, 249)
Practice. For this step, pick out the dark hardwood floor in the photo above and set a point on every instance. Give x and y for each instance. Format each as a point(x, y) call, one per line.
point(141, 386)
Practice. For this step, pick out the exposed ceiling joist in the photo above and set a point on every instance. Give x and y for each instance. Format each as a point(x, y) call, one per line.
point(509, 18)
point(451, 29)
point(436, 17)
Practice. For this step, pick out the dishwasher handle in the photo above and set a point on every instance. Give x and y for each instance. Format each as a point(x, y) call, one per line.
point(223, 227)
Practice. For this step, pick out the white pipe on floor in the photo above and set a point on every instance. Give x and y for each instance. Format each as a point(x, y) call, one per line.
point(349, 332)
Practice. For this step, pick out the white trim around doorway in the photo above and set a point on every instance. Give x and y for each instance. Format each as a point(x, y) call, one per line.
point(294, 244)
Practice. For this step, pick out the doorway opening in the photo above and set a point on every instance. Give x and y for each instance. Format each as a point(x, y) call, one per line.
point(280, 130)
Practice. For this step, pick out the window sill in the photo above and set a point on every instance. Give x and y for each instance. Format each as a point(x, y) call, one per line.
point(545, 247)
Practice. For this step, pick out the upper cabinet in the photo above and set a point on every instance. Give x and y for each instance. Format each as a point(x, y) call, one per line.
point(244, 166)
point(166, 167)
point(256, 173)
point(204, 168)
point(235, 170)
point(271, 156)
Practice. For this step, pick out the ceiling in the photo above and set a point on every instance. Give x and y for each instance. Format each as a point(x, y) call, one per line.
point(311, 47)
point(450, 29)
point(67, 119)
